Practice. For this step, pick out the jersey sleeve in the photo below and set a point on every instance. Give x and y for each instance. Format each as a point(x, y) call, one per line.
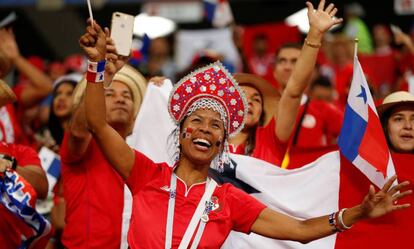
point(244, 209)
point(25, 155)
point(143, 171)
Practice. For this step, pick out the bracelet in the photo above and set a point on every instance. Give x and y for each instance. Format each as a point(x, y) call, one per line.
point(332, 222)
point(312, 45)
point(341, 221)
point(96, 70)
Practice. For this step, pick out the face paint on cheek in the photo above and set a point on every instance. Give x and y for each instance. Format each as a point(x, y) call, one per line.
point(187, 132)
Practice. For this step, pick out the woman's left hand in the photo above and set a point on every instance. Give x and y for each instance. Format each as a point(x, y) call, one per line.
point(322, 18)
point(384, 201)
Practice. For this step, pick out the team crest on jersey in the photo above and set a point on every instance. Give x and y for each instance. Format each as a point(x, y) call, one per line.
point(214, 204)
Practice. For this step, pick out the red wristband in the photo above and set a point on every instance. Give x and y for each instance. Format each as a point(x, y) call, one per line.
point(96, 70)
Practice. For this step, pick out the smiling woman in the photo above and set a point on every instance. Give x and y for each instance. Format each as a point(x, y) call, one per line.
point(60, 112)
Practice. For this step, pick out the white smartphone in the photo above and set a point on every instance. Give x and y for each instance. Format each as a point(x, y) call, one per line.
point(122, 27)
point(395, 29)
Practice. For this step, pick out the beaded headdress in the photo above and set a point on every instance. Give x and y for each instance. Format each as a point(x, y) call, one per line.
point(210, 87)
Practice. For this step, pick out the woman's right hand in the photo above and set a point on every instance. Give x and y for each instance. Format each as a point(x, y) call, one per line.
point(93, 42)
point(8, 44)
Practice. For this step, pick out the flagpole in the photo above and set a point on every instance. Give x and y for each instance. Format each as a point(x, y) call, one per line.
point(356, 47)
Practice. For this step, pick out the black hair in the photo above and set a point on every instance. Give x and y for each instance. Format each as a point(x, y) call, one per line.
point(294, 45)
point(321, 81)
point(260, 36)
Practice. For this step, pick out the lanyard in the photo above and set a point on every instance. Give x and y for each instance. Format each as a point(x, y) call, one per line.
point(201, 212)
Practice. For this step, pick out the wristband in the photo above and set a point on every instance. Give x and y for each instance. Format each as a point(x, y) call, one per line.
point(333, 223)
point(96, 70)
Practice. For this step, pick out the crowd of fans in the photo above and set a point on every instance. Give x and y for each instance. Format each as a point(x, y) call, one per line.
point(292, 112)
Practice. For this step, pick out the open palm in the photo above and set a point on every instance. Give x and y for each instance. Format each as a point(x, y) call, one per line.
point(322, 18)
point(384, 201)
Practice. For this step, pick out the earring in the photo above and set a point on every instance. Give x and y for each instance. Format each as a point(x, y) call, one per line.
point(176, 145)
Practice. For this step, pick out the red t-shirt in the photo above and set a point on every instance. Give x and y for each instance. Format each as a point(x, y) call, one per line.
point(10, 131)
point(321, 124)
point(268, 147)
point(11, 227)
point(148, 181)
point(94, 195)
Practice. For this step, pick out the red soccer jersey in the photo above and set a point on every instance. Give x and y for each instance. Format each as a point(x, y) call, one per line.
point(268, 147)
point(11, 227)
point(94, 195)
point(149, 183)
point(321, 124)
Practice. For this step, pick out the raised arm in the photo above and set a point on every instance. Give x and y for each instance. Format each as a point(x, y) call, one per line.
point(40, 84)
point(402, 38)
point(79, 135)
point(279, 226)
point(320, 20)
point(112, 144)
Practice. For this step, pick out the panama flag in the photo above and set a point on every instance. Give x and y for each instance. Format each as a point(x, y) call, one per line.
point(361, 139)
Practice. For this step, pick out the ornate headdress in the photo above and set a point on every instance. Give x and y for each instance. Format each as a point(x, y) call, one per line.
point(211, 87)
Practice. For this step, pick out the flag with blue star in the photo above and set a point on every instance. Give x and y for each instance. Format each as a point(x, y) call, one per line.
point(362, 140)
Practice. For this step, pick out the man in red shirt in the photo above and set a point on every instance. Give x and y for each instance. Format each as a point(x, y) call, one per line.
point(93, 191)
point(317, 121)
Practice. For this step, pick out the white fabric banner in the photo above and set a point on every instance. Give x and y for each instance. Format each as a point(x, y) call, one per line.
point(303, 193)
point(404, 7)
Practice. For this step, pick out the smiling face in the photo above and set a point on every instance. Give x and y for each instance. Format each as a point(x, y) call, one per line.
point(119, 104)
point(400, 129)
point(255, 101)
point(202, 136)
